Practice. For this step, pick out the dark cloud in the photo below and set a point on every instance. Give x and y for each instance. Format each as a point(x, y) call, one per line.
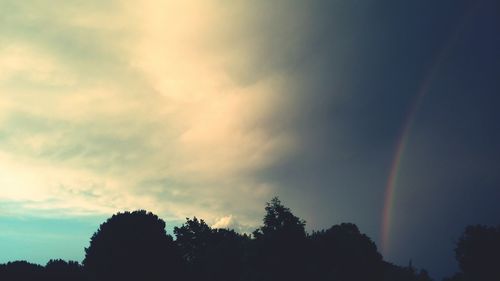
point(317, 95)
point(355, 70)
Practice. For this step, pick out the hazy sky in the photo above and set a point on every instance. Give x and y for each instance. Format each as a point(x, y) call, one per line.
point(211, 108)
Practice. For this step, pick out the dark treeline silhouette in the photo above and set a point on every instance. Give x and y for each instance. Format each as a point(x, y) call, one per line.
point(135, 246)
point(55, 270)
point(478, 254)
point(132, 246)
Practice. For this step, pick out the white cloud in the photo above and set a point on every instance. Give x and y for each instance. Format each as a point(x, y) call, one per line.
point(20, 60)
point(230, 222)
point(224, 222)
point(151, 118)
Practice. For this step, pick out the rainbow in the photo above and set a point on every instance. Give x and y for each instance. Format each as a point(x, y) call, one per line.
point(396, 164)
point(402, 140)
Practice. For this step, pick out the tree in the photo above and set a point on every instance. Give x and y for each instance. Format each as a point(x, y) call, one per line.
point(398, 273)
point(21, 271)
point(213, 254)
point(478, 253)
point(280, 245)
point(342, 252)
point(279, 221)
point(132, 246)
point(227, 256)
point(60, 270)
point(456, 277)
point(193, 238)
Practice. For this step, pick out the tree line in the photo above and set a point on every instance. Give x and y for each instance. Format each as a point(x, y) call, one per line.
point(135, 246)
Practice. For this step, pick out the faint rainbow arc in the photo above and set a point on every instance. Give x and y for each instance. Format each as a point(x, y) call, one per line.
point(395, 165)
point(402, 139)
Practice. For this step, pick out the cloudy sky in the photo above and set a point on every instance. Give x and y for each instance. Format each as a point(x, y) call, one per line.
point(344, 109)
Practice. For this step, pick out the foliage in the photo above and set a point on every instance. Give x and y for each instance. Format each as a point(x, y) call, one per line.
point(20, 271)
point(132, 246)
point(456, 277)
point(280, 222)
point(398, 273)
point(60, 270)
point(135, 246)
point(216, 254)
point(478, 253)
point(343, 253)
point(280, 245)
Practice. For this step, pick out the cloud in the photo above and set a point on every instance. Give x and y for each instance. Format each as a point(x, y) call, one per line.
point(191, 108)
point(201, 108)
point(32, 66)
point(134, 109)
point(224, 222)
point(210, 108)
point(230, 222)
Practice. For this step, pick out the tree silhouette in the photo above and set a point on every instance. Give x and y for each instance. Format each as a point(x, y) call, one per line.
point(398, 273)
point(193, 238)
point(343, 253)
point(21, 271)
point(213, 254)
point(279, 221)
point(280, 245)
point(228, 254)
point(478, 253)
point(60, 270)
point(132, 246)
point(135, 246)
point(457, 277)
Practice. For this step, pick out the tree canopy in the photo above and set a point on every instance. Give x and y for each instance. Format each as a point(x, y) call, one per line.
point(132, 246)
point(216, 254)
point(478, 253)
point(135, 246)
point(279, 221)
point(342, 252)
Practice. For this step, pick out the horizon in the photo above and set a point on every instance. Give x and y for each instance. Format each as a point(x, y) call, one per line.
point(89, 222)
point(382, 114)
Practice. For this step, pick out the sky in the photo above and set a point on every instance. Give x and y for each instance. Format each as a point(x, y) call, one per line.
point(380, 113)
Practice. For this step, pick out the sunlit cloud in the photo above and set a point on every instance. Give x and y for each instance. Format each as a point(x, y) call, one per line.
point(135, 107)
point(223, 222)
point(210, 108)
